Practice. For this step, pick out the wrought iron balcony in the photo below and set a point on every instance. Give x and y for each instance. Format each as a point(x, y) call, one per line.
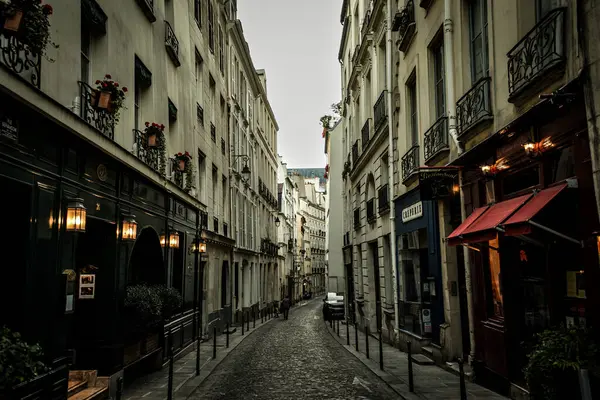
point(436, 139)
point(147, 7)
point(474, 106)
point(371, 216)
point(410, 162)
point(213, 132)
point(383, 198)
point(355, 153)
point(380, 110)
point(99, 118)
point(365, 134)
point(17, 57)
point(541, 49)
point(172, 44)
point(151, 156)
point(405, 24)
point(177, 176)
point(357, 218)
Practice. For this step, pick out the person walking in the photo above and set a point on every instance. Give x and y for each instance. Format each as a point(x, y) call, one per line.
point(285, 307)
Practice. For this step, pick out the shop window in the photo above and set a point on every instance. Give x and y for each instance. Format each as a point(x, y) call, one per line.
point(495, 297)
point(521, 180)
point(560, 165)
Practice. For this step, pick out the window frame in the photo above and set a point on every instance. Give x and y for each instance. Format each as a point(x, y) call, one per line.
point(473, 37)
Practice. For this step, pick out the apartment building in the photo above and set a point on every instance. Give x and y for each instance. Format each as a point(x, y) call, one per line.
point(286, 220)
point(124, 140)
point(490, 140)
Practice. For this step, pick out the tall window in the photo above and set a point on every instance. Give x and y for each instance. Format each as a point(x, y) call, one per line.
point(478, 26)
point(411, 90)
point(542, 7)
point(211, 28)
point(198, 12)
point(221, 51)
point(438, 77)
point(85, 52)
point(215, 185)
point(201, 171)
point(198, 63)
point(224, 197)
point(137, 98)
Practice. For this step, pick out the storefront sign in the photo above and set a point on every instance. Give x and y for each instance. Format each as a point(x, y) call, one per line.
point(9, 128)
point(437, 183)
point(412, 212)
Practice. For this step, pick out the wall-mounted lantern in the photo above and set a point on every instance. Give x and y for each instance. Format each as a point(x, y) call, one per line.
point(129, 228)
point(76, 216)
point(173, 240)
point(199, 246)
point(277, 222)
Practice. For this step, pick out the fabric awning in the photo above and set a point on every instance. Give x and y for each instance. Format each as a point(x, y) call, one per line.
point(518, 223)
point(455, 237)
point(483, 227)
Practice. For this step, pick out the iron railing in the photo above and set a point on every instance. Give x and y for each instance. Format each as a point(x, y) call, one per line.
point(380, 110)
point(357, 218)
point(541, 49)
point(365, 134)
point(475, 106)
point(355, 153)
point(200, 114)
point(383, 198)
point(405, 24)
point(371, 216)
point(18, 57)
point(177, 176)
point(436, 139)
point(148, 155)
point(172, 44)
point(100, 118)
point(147, 7)
point(410, 162)
point(213, 132)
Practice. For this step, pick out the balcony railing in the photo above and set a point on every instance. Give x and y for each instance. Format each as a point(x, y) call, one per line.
point(371, 216)
point(383, 198)
point(177, 176)
point(213, 132)
point(18, 58)
point(99, 118)
point(172, 44)
point(355, 153)
point(150, 156)
point(540, 50)
point(357, 218)
point(436, 139)
point(405, 24)
point(474, 106)
point(215, 225)
point(410, 162)
point(147, 7)
point(380, 110)
point(365, 134)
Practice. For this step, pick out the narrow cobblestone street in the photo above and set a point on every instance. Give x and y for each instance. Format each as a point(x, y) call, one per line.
point(293, 359)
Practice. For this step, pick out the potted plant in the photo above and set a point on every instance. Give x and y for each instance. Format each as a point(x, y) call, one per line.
point(19, 361)
point(171, 301)
point(27, 20)
point(108, 95)
point(142, 315)
point(154, 134)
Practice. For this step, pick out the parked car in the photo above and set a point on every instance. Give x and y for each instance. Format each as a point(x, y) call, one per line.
point(333, 307)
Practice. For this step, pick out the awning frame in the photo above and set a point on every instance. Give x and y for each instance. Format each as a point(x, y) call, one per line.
point(552, 231)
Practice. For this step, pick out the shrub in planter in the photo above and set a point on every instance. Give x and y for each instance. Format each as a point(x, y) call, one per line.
point(142, 309)
point(28, 21)
point(171, 300)
point(557, 355)
point(19, 361)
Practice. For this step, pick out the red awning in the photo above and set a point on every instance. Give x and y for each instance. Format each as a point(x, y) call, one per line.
point(455, 237)
point(483, 227)
point(518, 224)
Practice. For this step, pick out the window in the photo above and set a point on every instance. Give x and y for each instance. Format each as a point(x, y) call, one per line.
point(198, 64)
point(224, 196)
point(542, 7)
point(211, 28)
point(411, 90)
point(438, 79)
point(213, 132)
point(222, 146)
point(198, 12)
point(478, 26)
point(215, 185)
point(221, 51)
point(201, 171)
point(200, 115)
point(86, 39)
point(137, 98)
point(496, 305)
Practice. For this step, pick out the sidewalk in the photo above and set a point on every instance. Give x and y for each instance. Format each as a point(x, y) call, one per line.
point(155, 385)
point(430, 381)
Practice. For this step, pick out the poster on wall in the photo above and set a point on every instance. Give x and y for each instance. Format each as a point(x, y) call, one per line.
point(87, 286)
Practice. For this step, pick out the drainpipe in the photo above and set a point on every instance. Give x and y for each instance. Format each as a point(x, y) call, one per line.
point(388, 77)
point(468, 284)
point(449, 68)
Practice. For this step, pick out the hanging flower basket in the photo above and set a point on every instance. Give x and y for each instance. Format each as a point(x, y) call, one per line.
point(184, 164)
point(108, 96)
point(154, 139)
point(27, 20)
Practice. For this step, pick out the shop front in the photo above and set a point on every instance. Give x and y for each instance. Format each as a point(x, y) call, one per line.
point(420, 300)
point(530, 234)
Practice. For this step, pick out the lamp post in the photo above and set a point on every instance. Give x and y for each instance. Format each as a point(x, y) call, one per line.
point(245, 169)
point(199, 248)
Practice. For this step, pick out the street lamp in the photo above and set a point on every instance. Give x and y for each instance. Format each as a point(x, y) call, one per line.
point(129, 228)
point(173, 240)
point(246, 169)
point(277, 222)
point(76, 216)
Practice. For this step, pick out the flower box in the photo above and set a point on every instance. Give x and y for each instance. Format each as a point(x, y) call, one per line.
point(13, 22)
point(181, 165)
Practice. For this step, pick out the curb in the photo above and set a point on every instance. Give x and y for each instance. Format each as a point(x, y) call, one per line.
point(383, 375)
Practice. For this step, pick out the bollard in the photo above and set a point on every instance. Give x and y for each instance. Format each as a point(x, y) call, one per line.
point(356, 335)
point(411, 384)
point(170, 379)
point(347, 334)
point(380, 351)
point(119, 393)
point(227, 336)
point(253, 319)
point(248, 322)
point(338, 327)
point(198, 353)
point(214, 342)
point(461, 374)
point(242, 323)
point(367, 338)
point(261, 317)
point(331, 323)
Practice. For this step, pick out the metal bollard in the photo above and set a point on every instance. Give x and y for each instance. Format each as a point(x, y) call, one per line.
point(367, 339)
point(248, 322)
point(198, 335)
point(411, 384)
point(338, 327)
point(253, 319)
point(262, 317)
point(119, 393)
point(242, 323)
point(347, 334)
point(380, 350)
point(461, 374)
point(227, 336)
point(356, 335)
point(170, 379)
point(214, 342)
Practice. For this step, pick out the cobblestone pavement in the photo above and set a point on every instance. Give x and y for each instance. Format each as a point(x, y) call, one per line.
point(293, 359)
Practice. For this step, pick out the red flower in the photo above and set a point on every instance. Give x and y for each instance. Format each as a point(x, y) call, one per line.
point(179, 154)
point(103, 84)
point(147, 124)
point(107, 76)
point(124, 89)
point(97, 82)
point(116, 84)
point(162, 126)
point(187, 154)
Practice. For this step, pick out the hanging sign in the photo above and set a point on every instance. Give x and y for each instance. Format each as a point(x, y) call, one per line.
point(412, 212)
point(437, 183)
point(9, 127)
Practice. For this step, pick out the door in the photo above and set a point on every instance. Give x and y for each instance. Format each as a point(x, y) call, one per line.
point(350, 293)
point(377, 282)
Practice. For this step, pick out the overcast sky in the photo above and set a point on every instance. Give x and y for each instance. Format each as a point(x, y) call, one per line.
point(296, 42)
